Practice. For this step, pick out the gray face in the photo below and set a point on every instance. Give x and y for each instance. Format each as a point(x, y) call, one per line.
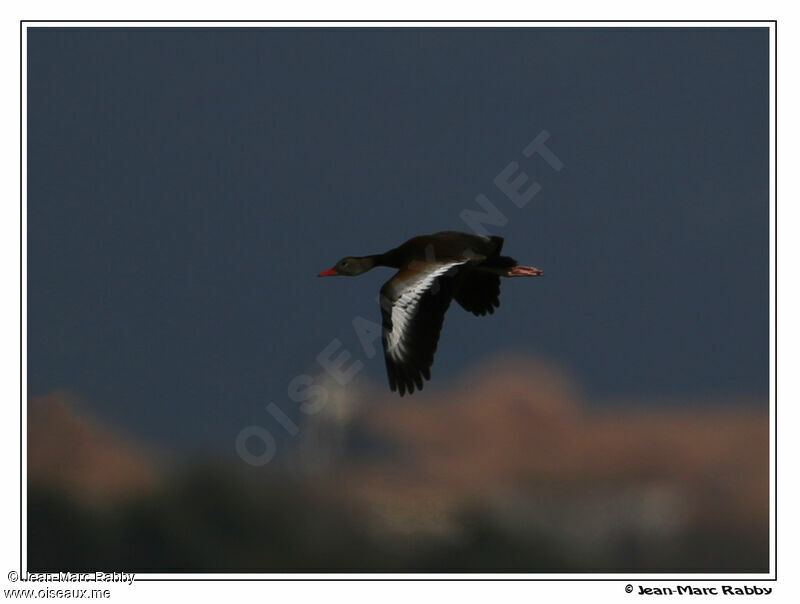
point(350, 266)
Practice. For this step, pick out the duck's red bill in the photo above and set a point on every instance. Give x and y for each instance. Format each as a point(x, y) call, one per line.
point(328, 273)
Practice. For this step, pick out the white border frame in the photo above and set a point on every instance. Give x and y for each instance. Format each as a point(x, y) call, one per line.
point(730, 578)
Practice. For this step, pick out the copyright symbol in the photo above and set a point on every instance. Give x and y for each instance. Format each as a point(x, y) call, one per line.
point(13, 576)
point(628, 588)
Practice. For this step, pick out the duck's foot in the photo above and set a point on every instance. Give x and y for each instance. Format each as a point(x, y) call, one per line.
point(524, 271)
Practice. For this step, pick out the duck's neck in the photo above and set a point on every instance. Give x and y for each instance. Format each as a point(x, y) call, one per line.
point(362, 264)
point(388, 259)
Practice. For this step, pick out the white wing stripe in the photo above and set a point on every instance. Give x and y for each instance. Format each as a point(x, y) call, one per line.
point(405, 305)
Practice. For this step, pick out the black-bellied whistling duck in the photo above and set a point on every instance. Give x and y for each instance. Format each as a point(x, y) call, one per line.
point(434, 269)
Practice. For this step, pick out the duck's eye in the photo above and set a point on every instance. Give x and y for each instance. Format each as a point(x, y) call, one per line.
point(343, 263)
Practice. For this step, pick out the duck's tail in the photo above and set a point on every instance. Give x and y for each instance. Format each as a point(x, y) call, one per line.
point(505, 266)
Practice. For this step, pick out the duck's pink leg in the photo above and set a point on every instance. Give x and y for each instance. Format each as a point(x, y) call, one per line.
point(524, 271)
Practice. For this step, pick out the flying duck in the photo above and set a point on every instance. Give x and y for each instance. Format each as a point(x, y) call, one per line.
point(433, 270)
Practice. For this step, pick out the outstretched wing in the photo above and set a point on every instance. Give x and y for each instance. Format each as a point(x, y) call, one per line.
point(478, 293)
point(478, 288)
point(413, 304)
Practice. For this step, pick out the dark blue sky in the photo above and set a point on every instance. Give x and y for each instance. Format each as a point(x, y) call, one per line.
point(185, 186)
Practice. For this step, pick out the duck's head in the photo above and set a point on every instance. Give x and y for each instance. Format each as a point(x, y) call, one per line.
point(349, 266)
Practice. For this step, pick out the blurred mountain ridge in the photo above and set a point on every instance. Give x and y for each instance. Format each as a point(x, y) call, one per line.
point(508, 468)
